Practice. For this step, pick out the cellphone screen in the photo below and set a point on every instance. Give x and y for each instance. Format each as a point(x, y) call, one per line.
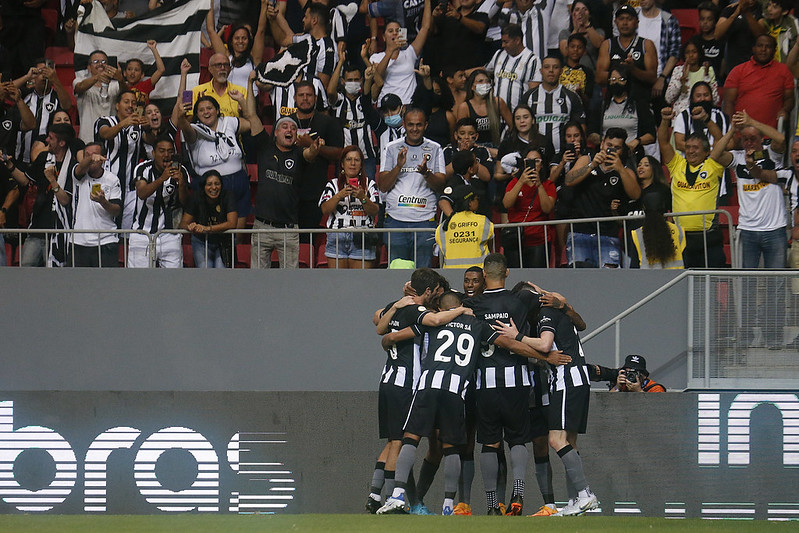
point(402, 34)
point(187, 97)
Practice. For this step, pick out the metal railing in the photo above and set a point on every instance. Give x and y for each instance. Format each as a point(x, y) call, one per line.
point(360, 234)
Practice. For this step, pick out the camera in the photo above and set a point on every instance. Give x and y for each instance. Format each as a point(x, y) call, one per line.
point(632, 375)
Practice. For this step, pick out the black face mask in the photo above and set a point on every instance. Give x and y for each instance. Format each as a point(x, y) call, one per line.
point(617, 89)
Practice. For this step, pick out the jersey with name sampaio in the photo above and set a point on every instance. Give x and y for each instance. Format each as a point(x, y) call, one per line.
point(452, 353)
point(575, 374)
point(498, 367)
point(403, 364)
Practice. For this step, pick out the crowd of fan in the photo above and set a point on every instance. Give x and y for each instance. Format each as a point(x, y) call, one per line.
point(556, 103)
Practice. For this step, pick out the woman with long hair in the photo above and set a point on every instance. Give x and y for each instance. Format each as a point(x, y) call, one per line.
point(573, 145)
point(211, 211)
point(490, 112)
point(653, 183)
point(626, 113)
point(243, 50)
point(580, 22)
point(659, 243)
point(522, 137)
point(350, 201)
point(694, 68)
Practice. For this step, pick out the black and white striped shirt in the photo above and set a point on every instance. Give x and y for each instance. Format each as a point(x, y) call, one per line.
point(283, 98)
point(154, 213)
point(125, 150)
point(42, 108)
point(385, 135)
point(513, 74)
point(554, 108)
point(535, 25)
point(575, 374)
point(403, 365)
point(357, 118)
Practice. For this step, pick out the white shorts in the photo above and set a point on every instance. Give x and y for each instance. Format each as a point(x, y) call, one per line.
point(168, 251)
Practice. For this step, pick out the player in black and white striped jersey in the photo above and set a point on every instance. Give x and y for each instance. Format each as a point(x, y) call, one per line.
point(515, 68)
point(123, 140)
point(553, 104)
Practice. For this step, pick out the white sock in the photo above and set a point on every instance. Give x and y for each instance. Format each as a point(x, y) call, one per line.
point(585, 493)
point(375, 497)
point(449, 502)
point(399, 493)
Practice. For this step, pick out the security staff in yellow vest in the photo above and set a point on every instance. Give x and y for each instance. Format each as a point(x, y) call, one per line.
point(694, 187)
point(659, 243)
point(464, 237)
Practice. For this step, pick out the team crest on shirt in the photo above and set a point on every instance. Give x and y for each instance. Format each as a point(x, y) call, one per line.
point(7, 125)
point(545, 319)
point(169, 188)
point(289, 164)
point(703, 175)
point(614, 180)
point(636, 55)
point(134, 135)
point(49, 106)
point(560, 101)
point(422, 308)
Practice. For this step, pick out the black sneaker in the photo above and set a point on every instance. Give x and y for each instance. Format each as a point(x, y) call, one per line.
point(494, 511)
point(515, 508)
point(372, 505)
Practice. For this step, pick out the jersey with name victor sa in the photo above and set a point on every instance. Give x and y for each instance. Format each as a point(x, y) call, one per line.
point(42, 108)
point(452, 353)
point(498, 367)
point(155, 212)
point(762, 204)
point(575, 374)
point(411, 199)
point(403, 365)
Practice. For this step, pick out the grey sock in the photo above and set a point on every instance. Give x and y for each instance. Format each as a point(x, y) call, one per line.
point(467, 477)
point(489, 466)
point(452, 470)
point(426, 475)
point(574, 468)
point(502, 476)
point(388, 486)
point(543, 474)
point(518, 460)
point(570, 490)
point(378, 478)
point(405, 461)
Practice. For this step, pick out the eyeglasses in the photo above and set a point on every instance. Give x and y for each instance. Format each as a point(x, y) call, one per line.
point(99, 61)
point(620, 78)
point(220, 65)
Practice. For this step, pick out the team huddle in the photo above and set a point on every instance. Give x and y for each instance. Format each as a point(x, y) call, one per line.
point(498, 364)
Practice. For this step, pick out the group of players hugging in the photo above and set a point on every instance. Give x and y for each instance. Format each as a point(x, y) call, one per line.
point(504, 364)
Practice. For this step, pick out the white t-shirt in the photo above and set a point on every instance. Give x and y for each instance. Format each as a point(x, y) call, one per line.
point(650, 28)
point(217, 150)
point(400, 78)
point(90, 214)
point(762, 204)
point(241, 75)
point(411, 199)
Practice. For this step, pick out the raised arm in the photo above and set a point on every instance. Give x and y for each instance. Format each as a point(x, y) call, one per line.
point(160, 68)
point(260, 35)
point(210, 26)
point(421, 37)
point(666, 150)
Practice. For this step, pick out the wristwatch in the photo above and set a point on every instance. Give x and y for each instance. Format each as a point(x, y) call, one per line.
point(57, 188)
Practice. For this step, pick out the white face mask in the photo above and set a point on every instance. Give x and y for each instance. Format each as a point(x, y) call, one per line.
point(482, 88)
point(352, 87)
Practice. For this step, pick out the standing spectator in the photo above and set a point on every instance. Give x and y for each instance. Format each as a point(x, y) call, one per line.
point(582, 24)
point(96, 93)
point(459, 32)
point(781, 25)
point(695, 181)
point(22, 34)
point(314, 24)
point(98, 202)
point(738, 26)
point(632, 116)
point(9, 196)
point(576, 76)
point(761, 86)
point(522, 138)
point(533, 16)
point(464, 235)
point(44, 97)
point(313, 124)
point(219, 88)
point(693, 69)
point(552, 103)
point(408, 14)
point(209, 212)
point(712, 47)
point(598, 183)
point(633, 52)
point(350, 201)
point(465, 170)
point(134, 76)
point(658, 243)
point(155, 127)
point(490, 112)
point(652, 182)
point(515, 68)
point(391, 128)
point(123, 140)
point(161, 187)
point(412, 174)
point(663, 30)
point(530, 197)
point(701, 101)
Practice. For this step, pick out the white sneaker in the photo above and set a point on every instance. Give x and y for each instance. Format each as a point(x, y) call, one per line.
point(570, 509)
point(394, 506)
point(587, 503)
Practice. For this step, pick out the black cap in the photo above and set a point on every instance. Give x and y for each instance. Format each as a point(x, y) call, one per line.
point(636, 362)
point(63, 130)
point(390, 101)
point(462, 195)
point(626, 9)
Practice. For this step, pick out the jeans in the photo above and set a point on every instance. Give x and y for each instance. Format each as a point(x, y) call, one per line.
point(773, 245)
point(209, 256)
point(3, 258)
point(401, 245)
point(583, 250)
point(34, 251)
point(769, 312)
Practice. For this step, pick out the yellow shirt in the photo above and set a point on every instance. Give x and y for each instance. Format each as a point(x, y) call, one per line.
point(465, 243)
point(675, 262)
point(227, 105)
point(701, 196)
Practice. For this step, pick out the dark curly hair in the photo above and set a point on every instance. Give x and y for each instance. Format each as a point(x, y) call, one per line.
point(657, 232)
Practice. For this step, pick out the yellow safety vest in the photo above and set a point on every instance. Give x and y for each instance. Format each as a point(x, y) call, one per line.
point(465, 243)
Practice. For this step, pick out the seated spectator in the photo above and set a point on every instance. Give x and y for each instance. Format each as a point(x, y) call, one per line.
point(695, 182)
point(693, 70)
point(780, 24)
point(490, 112)
point(582, 24)
point(96, 93)
point(598, 183)
point(658, 243)
point(632, 377)
point(464, 236)
point(134, 76)
point(761, 86)
point(44, 95)
point(624, 112)
point(529, 197)
point(98, 202)
point(350, 201)
point(244, 51)
point(395, 67)
point(712, 48)
point(209, 212)
point(522, 137)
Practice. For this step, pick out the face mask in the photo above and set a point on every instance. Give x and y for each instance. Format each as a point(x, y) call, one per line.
point(482, 88)
point(352, 87)
point(393, 121)
point(617, 89)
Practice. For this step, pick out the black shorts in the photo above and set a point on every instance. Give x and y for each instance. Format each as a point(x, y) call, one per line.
point(393, 405)
point(568, 408)
point(539, 424)
point(503, 412)
point(438, 409)
point(471, 408)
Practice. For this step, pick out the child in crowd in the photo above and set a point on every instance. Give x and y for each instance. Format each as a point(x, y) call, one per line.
point(134, 76)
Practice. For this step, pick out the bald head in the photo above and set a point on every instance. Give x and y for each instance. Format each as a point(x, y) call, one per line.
point(219, 67)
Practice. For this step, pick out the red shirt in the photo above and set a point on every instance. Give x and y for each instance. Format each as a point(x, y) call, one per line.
point(142, 91)
point(760, 89)
point(528, 209)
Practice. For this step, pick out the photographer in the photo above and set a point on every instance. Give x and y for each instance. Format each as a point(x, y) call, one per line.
point(632, 377)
